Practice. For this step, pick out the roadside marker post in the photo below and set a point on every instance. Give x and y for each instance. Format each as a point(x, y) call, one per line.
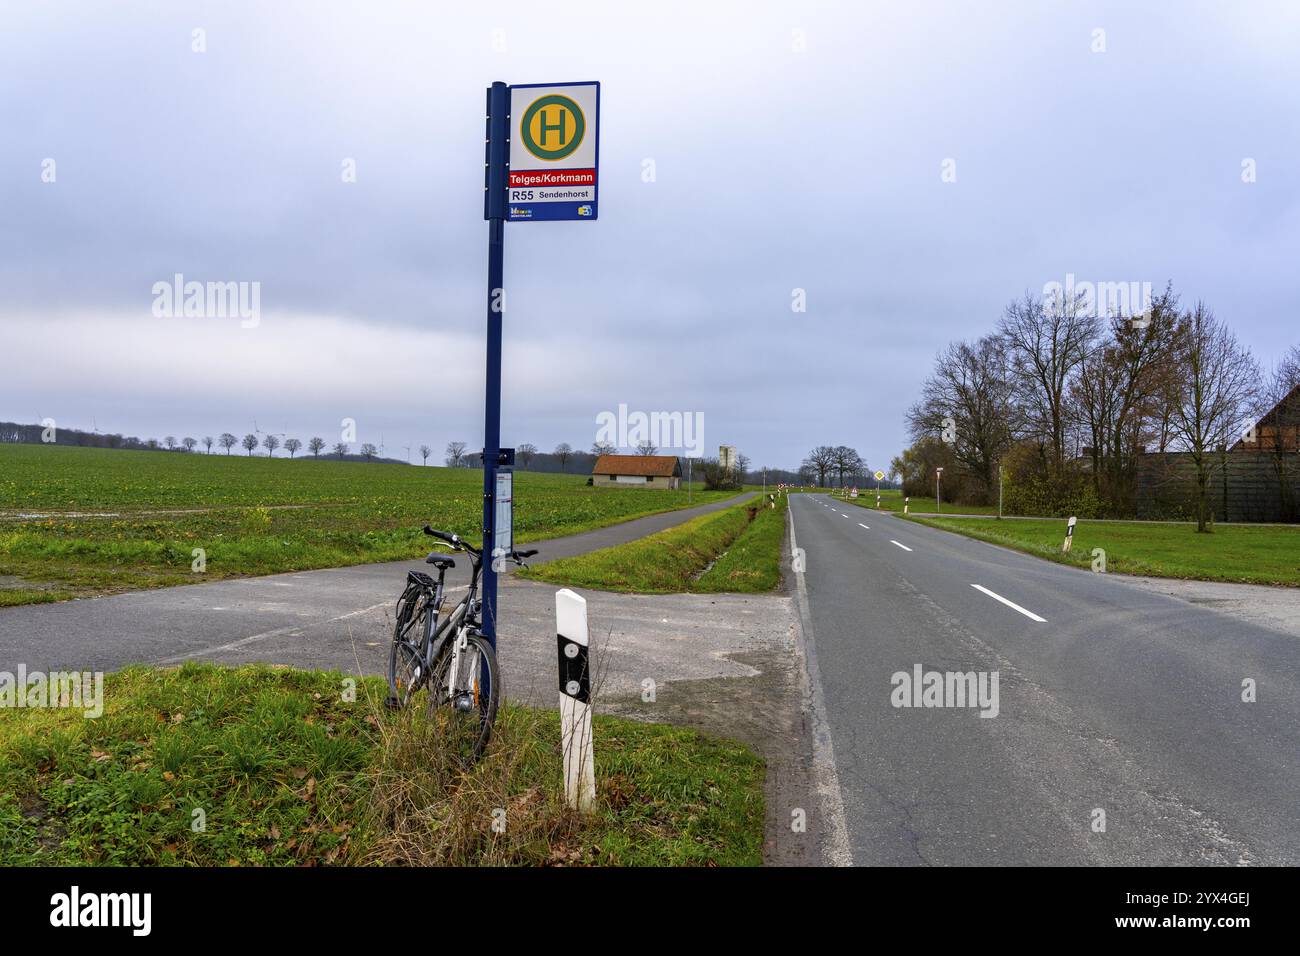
point(546, 172)
point(905, 501)
point(575, 699)
point(1069, 534)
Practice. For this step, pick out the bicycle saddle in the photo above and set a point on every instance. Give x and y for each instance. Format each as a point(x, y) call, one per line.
point(441, 561)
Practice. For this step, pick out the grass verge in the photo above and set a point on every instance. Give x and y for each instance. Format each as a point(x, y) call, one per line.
point(1250, 554)
point(892, 500)
point(735, 549)
point(282, 770)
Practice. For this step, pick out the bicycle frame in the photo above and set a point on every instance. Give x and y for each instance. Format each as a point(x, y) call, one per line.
point(436, 634)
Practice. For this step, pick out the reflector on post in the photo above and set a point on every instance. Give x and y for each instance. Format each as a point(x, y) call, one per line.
point(575, 699)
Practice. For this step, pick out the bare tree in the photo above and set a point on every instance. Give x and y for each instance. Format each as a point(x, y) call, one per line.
point(455, 453)
point(207, 443)
point(1119, 392)
point(227, 441)
point(740, 469)
point(563, 451)
point(646, 447)
point(1046, 343)
point(425, 452)
point(249, 443)
point(270, 443)
point(526, 452)
point(1218, 386)
point(189, 443)
point(315, 445)
point(369, 451)
point(603, 448)
point(845, 460)
point(291, 445)
point(819, 462)
point(341, 449)
point(170, 442)
point(968, 403)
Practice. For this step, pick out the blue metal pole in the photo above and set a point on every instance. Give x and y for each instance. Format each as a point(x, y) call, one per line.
point(494, 211)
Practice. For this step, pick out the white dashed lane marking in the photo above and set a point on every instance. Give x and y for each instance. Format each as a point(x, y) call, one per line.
point(1011, 604)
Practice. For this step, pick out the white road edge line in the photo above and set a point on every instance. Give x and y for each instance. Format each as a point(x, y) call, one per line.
point(903, 546)
point(836, 850)
point(861, 525)
point(1011, 604)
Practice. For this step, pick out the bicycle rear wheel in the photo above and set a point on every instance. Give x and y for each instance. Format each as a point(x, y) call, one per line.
point(464, 694)
point(406, 670)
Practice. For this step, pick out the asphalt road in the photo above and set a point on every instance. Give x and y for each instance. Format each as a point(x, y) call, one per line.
point(1111, 699)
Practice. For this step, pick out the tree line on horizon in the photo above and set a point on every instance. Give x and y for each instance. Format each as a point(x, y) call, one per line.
point(14, 433)
point(456, 454)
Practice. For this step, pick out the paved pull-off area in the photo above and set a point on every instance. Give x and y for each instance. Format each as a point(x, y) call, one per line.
point(307, 618)
point(1112, 698)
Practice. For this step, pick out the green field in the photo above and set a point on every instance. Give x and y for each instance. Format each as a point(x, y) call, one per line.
point(114, 520)
point(285, 771)
point(1252, 554)
point(735, 549)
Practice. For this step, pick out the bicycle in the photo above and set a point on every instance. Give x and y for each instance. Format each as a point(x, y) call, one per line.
point(447, 654)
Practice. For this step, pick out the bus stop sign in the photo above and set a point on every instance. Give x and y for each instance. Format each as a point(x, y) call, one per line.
point(554, 151)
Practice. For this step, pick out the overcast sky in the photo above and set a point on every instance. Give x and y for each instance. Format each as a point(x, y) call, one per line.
point(794, 146)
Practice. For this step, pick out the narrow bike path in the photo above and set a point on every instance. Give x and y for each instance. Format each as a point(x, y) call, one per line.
point(236, 618)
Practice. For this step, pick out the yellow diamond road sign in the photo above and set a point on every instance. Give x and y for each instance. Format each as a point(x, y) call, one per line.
point(880, 476)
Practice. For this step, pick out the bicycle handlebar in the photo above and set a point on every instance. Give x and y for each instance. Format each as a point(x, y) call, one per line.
point(459, 543)
point(456, 541)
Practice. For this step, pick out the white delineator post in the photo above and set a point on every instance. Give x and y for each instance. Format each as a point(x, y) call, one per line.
point(1069, 534)
point(905, 501)
point(575, 699)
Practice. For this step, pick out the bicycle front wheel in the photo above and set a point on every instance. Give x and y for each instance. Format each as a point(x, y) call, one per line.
point(464, 693)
